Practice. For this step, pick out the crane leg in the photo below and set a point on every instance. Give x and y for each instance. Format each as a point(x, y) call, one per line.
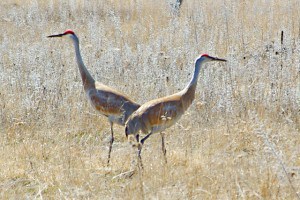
point(110, 142)
point(140, 163)
point(146, 137)
point(140, 145)
point(164, 150)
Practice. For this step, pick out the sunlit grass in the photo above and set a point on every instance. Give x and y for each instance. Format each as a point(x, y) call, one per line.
point(239, 139)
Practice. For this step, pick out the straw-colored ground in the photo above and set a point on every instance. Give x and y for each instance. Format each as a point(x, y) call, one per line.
point(240, 139)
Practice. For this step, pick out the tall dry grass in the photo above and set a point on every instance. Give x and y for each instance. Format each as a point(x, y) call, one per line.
point(239, 139)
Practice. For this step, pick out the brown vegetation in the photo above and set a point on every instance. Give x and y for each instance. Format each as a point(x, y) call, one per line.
point(239, 139)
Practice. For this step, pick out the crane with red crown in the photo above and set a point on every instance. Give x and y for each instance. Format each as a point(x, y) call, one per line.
point(109, 102)
point(159, 114)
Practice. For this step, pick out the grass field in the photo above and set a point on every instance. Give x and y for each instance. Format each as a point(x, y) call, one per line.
point(240, 139)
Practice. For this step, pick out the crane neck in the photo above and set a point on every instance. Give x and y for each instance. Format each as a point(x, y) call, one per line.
point(87, 80)
point(194, 79)
point(188, 93)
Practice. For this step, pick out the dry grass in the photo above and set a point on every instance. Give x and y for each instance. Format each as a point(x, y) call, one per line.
point(239, 140)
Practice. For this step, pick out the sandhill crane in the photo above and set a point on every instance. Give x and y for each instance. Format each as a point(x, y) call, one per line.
point(107, 101)
point(159, 114)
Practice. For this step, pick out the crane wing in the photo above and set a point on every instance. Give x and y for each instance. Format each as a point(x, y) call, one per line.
point(107, 100)
point(161, 113)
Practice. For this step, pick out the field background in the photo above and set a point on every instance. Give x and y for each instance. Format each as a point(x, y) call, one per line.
point(239, 139)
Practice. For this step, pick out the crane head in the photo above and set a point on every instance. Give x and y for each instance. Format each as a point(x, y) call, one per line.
point(67, 32)
point(207, 58)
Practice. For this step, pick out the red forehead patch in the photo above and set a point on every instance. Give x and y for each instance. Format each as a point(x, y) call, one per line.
point(69, 31)
point(206, 55)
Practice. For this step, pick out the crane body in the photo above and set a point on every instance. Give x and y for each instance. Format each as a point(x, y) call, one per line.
point(116, 106)
point(159, 114)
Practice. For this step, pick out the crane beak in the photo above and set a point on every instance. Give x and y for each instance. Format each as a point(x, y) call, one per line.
point(58, 35)
point(218, 59)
